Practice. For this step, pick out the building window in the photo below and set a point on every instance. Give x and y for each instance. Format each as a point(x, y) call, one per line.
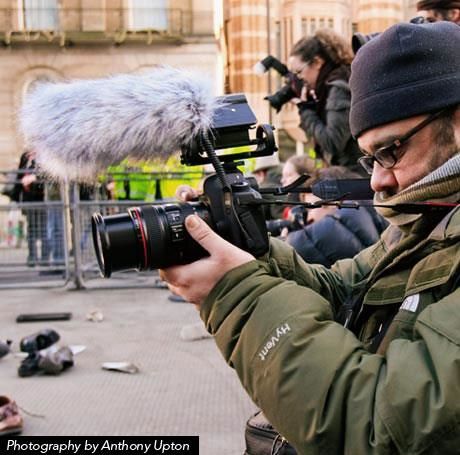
point(304, 26)
point(312, 26)
point(148, 14)
point(354, 27)
point(330, 22)
point(38, 14)
point(321, 22)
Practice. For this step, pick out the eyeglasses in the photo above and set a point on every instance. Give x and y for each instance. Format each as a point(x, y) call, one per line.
point(301, 69)
point(386, 156)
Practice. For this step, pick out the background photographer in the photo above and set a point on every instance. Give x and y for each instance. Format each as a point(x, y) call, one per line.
point(296, 166)
point(439, 10)
point(388, 382)
point(293, 168)
point(332, 233)
point(322, 61)
point(29, 188)
point(267, 172)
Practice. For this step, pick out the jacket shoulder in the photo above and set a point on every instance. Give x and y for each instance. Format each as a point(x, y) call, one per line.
point(339, 96)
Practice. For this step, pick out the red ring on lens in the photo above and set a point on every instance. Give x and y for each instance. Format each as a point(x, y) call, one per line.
point(137, 215)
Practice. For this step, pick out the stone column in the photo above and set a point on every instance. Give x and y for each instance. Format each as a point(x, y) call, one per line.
point(245, 28)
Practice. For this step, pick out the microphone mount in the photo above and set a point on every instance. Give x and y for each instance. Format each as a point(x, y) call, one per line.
point(232, 122)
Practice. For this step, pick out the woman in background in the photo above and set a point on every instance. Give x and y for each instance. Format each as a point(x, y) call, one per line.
point(322, 62)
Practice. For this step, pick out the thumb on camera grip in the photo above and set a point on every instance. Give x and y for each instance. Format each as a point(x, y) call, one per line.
point(202, 233)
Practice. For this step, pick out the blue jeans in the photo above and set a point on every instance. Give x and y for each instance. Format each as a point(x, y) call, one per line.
point(56, 233)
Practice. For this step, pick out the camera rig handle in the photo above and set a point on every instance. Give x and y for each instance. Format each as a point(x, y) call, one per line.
point(329, 189)
point(344, 193)
point(293, 187)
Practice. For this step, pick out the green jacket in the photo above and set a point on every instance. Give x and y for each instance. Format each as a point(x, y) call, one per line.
point(316, 381)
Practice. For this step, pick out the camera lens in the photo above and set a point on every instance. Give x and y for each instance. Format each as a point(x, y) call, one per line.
point(146, 238)
point(276, 226)
point(281, 97)
point(111, 235)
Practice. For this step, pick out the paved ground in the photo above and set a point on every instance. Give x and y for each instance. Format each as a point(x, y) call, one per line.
point(183, 388)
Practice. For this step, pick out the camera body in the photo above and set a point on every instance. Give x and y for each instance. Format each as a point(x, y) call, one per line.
point(359, 39)
point(236, 215)
point(154, 236)
point(292, 87)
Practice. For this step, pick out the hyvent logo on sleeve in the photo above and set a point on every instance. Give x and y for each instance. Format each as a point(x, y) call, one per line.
point(274, 340)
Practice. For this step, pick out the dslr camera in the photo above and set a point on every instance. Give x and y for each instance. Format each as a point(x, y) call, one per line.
point(292, 87)
point(154, 236)
point(359, 39)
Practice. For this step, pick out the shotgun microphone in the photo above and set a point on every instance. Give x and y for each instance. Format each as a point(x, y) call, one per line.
point(79, 128)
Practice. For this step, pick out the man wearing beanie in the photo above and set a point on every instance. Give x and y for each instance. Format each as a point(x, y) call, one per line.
point(440, 10)
point(362, 358)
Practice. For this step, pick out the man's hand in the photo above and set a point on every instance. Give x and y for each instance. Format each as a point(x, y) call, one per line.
point(186, 193)
point(27, 180)
point(295, 100)
point(195, 281)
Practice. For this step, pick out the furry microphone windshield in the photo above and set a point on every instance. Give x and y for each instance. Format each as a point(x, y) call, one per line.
point(80, 128)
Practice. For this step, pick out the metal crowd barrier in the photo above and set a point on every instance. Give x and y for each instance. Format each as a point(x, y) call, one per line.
point(33, 239)
point(49, 243)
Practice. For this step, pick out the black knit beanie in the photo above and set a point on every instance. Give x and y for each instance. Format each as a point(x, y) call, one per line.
point(408, 70)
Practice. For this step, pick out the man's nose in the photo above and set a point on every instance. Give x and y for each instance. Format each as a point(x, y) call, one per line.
point(383, 180)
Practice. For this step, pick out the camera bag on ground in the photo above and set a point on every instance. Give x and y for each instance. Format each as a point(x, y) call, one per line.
point(262, 439)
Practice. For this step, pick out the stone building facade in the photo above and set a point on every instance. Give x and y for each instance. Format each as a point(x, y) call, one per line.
point(67, 39)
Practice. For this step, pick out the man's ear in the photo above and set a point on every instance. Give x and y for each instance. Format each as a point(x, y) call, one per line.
point(457, 126)
point(456, 123)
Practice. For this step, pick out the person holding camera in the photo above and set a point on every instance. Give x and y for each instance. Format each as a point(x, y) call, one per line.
point(440, 10)
point(29, 188)
point(333, 233)
point(364, 357)
point(322, 62)
point(267, 172)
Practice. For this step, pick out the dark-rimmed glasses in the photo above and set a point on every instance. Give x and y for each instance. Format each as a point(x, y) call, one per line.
point(297, 73)
point(387, 156)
